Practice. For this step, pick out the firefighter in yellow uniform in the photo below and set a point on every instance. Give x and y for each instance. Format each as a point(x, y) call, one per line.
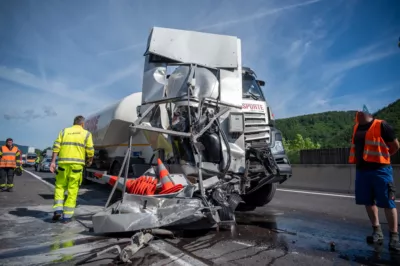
point(74, 147)
point(10, 159)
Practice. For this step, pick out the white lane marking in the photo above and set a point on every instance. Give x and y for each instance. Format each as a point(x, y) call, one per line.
point(180, 257)
point(40, 179)
point(319, 193)
point(49, 184)
point(243, 243)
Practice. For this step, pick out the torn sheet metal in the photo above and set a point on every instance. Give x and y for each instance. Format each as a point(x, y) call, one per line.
point(207, 49)
point(139, 212)
point(219, 53)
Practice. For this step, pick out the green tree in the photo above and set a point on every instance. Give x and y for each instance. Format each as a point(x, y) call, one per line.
point(293, 147)
point(44, 151)
point(331, 129)
point(38, 152)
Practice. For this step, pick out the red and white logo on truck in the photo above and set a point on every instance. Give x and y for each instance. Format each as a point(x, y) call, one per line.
point(253, 107)
point(91, 123)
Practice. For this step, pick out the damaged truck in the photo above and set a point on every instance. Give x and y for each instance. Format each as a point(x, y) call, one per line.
point(206, 118)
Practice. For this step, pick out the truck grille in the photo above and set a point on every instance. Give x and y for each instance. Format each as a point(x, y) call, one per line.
point(256, 128)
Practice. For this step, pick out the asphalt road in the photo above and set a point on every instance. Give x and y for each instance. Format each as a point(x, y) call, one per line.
point(294, 229)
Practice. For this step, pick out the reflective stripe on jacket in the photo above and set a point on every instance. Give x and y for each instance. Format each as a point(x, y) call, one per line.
point(73, 145)
point(375, 148)
point(8, 157)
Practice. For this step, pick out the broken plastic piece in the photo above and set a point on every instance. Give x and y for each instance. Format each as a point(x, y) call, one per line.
point(138, 241)
point(97, 254)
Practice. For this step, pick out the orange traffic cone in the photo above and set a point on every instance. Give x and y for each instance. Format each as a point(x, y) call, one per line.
point(144, 185)
point(111, 179)
point(167, 185)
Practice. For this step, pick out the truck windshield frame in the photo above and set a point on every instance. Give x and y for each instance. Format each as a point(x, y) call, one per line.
point(251, 89)
point(31, 156)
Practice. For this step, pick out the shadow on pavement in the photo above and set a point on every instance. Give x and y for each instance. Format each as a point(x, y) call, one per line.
point(25, 212)
point(47, 196)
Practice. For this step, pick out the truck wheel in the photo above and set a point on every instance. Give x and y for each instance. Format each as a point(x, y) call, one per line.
point(262, 196)
point(115, 168)
point(85, 181)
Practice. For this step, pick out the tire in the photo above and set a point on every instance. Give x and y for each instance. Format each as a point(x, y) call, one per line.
point(262, 196)
point(85, 181)
point(115, 168)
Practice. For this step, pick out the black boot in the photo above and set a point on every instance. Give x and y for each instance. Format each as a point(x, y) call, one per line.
point(57, 216)
point(376, 237)
point(10, 189)
point(394, 244)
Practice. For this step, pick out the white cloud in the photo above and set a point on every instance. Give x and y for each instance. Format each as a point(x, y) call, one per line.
point(31, 114)
point(359, 59)
point(48, 105)
point(123, 49)
point(244, 19)
point(134, 70)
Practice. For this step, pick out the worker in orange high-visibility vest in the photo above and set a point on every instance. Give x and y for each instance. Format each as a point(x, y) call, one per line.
point(10, 159)
point(372, 144)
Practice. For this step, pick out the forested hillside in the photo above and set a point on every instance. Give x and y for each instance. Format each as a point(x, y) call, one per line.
point(333, 129)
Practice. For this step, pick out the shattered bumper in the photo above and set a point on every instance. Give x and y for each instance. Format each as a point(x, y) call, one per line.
point(138, 212)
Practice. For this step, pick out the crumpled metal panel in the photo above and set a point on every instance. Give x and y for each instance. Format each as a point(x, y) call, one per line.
point(207, 49)
point(206, 86)
point(145, 212)
point(191, 47)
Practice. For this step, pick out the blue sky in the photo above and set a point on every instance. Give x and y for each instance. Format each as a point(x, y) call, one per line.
point(63, 58)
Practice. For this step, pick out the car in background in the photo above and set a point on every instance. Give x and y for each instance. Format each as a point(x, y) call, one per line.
point(44, 165)
point(29, 160)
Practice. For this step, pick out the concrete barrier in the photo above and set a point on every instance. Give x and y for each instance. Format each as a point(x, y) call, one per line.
point(338, 178)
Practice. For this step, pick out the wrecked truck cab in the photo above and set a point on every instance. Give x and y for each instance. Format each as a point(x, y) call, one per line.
point(196, 122)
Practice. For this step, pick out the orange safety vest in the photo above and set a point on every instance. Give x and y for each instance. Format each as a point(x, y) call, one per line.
point(375, 148)
point(8, 158)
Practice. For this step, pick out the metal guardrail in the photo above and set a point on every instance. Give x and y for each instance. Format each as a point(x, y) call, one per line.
point(332, 156)
point(334, 178)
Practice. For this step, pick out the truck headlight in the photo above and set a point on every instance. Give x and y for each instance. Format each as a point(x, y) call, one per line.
point(278, 147)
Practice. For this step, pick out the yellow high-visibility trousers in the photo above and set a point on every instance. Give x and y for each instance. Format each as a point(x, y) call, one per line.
point(68, 177)
point(62, 245)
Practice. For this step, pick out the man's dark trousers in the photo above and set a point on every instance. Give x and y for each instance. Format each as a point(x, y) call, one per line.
point(6, 178)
